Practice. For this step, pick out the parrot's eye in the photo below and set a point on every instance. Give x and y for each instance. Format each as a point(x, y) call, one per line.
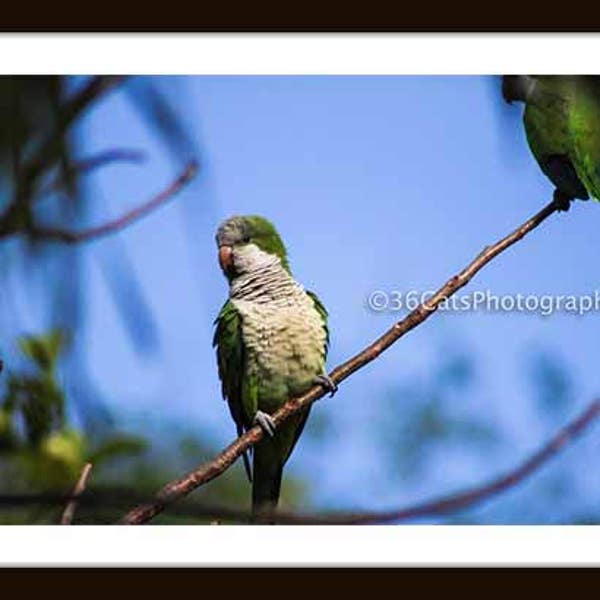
point(246, 239)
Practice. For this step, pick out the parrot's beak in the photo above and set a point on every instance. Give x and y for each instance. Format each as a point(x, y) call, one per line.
point(226, 258)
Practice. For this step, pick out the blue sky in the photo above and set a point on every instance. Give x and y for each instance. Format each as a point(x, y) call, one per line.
point(375, 183)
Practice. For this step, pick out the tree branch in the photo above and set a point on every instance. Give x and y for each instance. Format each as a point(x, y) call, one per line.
point(73, 237)
point(11, 220)
point(91, 92)
point(69, 512)
point(206, 472)
point(430, 508)
point(93, 162)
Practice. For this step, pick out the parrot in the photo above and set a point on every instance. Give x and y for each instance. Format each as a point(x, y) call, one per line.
point(271, 338)
point(562, 124)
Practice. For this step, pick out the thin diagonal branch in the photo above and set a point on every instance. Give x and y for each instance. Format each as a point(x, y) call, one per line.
point(208, 471)
point(71, 507)
point(74, 237)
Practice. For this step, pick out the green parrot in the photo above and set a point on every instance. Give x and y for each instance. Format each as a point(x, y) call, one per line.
point(271, 339)
point(562, 123)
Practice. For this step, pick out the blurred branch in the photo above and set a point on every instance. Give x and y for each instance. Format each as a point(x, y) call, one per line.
point(175, 490)
point(470, 497)
point(73, 237)
point(92, 91)
point(93, 162)
point(17, 216)
point(431, 508)
point(69, 512)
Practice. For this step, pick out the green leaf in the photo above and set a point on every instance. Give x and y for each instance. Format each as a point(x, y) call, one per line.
point(118, 446)
point(43, 350)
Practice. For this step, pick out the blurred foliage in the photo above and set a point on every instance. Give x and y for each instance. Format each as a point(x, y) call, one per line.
point(41, 451)
point(429, 429)
point(34, 432)
point(424, 418)
point(551, 383)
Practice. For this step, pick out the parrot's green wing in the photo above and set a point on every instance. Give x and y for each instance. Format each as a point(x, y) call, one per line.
point(229, 343)
point(320, 308)
point(584, 124)
point(562, 122)
point(550, 137)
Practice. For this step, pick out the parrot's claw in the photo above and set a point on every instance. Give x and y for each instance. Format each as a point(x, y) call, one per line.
point(327, 383)
point(266, 422)
point(562, 201)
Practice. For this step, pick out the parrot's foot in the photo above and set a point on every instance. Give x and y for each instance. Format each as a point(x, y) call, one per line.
point(327, 383)
point(562, 201)
point(266, 422)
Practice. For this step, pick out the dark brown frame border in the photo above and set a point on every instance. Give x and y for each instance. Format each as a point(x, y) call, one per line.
point(327, 582)
point(507, 16)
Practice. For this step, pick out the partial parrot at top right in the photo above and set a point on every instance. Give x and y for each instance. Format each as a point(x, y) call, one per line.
point(562, 124)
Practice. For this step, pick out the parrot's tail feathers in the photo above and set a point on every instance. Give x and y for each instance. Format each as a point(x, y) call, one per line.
point(266, 487)
point(247, 466)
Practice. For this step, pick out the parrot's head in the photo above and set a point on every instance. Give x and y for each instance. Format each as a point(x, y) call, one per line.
point(246, 243)
point(517, 87)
